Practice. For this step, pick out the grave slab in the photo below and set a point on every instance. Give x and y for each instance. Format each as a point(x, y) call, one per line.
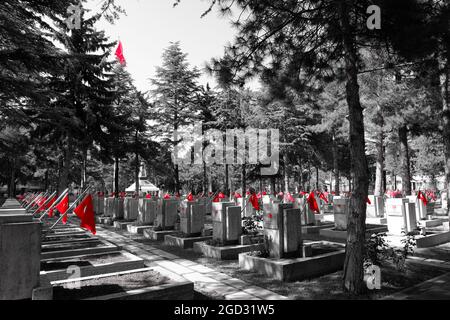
point(230, 252)
point(184, 243)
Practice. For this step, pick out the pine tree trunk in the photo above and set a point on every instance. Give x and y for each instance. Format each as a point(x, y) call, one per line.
point(83, 168)
point(244, 180)
point(405, 160)
point(12, 181)
point(444, 84)
point(205, 178)
point(66, 166)
point(136, 172)
point(286, 177)
point(272, 184)
point(317, 178)
point(116, 176)
point(335, 167)
point(227, 185)
point(353, 279)
point(300, 174)
point(379, 173)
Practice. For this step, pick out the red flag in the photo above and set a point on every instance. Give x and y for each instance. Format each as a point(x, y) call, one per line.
point(254, 201)
point(148, 196)
point(190, 197)
point(322, 196)
point(49, 204)
point(85, 211)
point(422, 197)
point(237, 195)
point(264, 193)
point(289, 197)
point(166, 196)
point(312, 203)
point(119, 54)
point(259, 196)
point(221, 195)
point(368, 201)
point(302, 193)
point(62, 207)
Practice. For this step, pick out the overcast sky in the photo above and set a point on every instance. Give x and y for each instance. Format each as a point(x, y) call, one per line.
point(150, 25)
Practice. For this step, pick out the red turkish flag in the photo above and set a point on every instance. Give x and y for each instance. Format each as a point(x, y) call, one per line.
point(49, 204)
point(119, 54)
point(166, 196)
point(85, 211)
point(148, 196)
point(422, 197)
point(62, 207)
point(289, 197)
point(190, 197)
point(254, 201)
point(221, 195)
point(368, 201)
point(322, 196)
point(312, 203)
point(237, 195)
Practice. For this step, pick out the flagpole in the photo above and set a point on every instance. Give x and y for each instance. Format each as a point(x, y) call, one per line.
point(43, 196)
point(45, 203)
point(32, 200)
point(70, 207)
point(61, 196)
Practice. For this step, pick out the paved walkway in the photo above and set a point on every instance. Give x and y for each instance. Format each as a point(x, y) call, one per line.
point(206, 280)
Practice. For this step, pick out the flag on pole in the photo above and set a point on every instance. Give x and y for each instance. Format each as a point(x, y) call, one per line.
point(62, 207)
point(312, 203)
point(237, 195)
point(322, 196)
point(368, 201)
point(254, 201)
point(166, 196)
point(190, 197)
point(289, 197)
point(119, 54)
point(49, 205)
point(422, 197)
point(85, 211)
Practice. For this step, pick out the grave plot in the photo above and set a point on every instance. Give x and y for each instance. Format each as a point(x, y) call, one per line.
point(138, 284)
point(90, 264)
point(166, 217)
point(424, 213)
point(60, 250)
point(192, 222)
point(341, 208)
point(311, 222)
point(126, 212)
point(285, 257)
point(402, 220)
point(375, 210)
point(146, 216)
point(227, 241)
point(68, 238)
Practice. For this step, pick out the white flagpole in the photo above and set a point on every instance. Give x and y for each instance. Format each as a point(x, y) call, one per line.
point(45, 203)
point(81, 196)
point(61, 196)
point(43, 195)
point(34, 197)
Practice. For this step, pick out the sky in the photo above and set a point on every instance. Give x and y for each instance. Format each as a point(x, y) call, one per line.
point(149, 26)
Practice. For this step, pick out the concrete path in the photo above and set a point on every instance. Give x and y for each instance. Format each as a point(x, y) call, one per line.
point(206, 280)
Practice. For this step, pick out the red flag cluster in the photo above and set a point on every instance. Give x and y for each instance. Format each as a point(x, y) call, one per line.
point(312, 203)
point(422, 197)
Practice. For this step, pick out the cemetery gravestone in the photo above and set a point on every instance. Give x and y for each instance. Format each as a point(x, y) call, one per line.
point(117, 212)
point(376, 207)
point(131, 209)
point(396, 214)
point(147, 211)
point(167, 213)
point(192, 218)
point(341, 209)
point(281, 228)
point(444, 200)
point(219, 219)
point(248, 211)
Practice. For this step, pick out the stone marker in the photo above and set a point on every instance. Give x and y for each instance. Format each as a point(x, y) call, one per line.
point(341, 209)
point(20, 254)
point(410, 217)
point(219, 220)
point(147, 212)
point(167, 213)
point(109, 207)
point(307, 216)
point(282, 230)
point(131, 208)
point(99, 205)
point(376, 207)
point(249, 211)
point(117, 213)
point(396, 215)
point(192, 218)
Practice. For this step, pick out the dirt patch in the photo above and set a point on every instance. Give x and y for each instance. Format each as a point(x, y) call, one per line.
point(109, 285)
